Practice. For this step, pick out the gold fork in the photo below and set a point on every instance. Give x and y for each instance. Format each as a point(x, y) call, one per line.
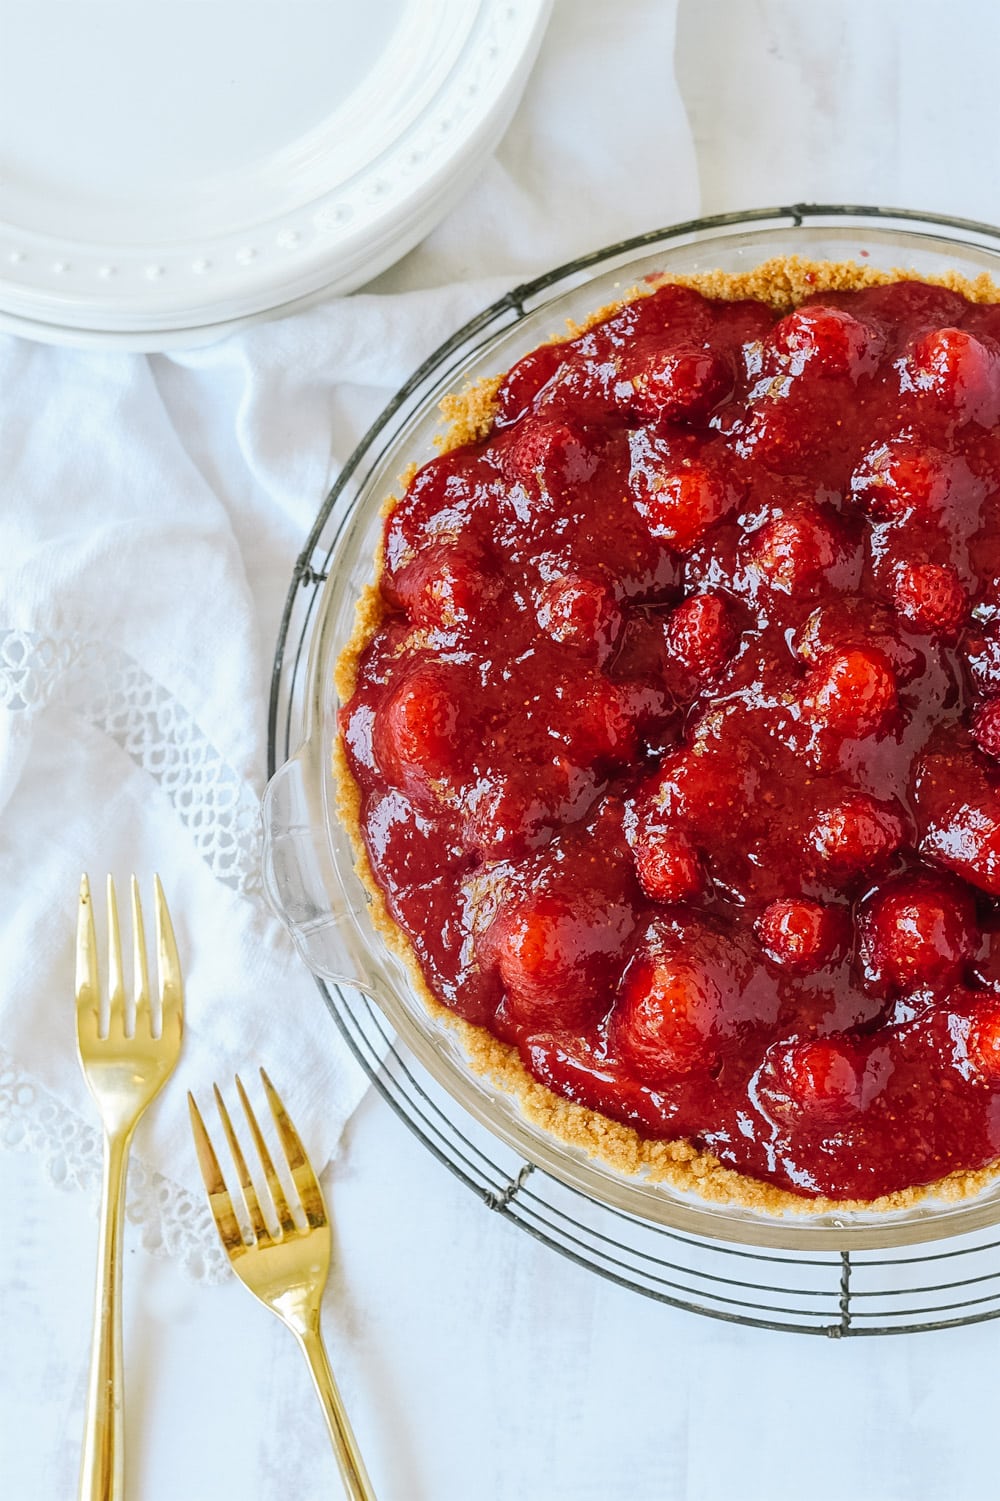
point(124, 1071)
point(287, 1267)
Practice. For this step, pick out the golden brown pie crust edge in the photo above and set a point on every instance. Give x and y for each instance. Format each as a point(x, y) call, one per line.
point(782, 282)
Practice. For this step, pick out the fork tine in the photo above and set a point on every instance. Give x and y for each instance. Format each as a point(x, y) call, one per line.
point(116, 977)
point(250, 1199)
point(171, 985)
point(219, 1200)
point(140, 972)
point(87, 977)
point(305, 1180)
point(281, 1209)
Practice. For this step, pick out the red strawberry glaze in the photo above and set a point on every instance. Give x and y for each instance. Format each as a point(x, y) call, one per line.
point(678, 742)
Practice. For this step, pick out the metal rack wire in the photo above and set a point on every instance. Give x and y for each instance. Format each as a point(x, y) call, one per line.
point(835, 1294)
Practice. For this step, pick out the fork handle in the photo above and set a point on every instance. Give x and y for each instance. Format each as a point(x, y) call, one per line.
point(102, 1473)
point(357, 1486)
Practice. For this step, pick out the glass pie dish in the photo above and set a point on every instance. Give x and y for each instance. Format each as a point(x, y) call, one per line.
point(309, 869)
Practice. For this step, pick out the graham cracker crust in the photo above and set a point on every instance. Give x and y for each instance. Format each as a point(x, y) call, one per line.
point(783, 283)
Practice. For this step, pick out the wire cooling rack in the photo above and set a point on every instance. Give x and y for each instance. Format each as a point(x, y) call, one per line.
point(829, 1293)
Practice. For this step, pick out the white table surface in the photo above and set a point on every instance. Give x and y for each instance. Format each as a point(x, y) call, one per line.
point(561, 1386)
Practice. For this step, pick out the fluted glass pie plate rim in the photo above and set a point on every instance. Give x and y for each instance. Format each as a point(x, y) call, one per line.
point(308, 863)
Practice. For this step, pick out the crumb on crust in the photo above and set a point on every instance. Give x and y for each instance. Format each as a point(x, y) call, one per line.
point(783, 283)
point(469, 414)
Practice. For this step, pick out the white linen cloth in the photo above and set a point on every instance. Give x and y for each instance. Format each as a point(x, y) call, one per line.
point(153, 510)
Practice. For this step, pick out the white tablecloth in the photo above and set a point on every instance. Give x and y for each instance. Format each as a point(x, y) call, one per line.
point(475, 1362)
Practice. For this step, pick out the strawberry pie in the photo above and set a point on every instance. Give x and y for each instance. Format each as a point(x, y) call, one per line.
point(670, 734)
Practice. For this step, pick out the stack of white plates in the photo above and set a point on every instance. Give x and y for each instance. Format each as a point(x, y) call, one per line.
point(170, 169)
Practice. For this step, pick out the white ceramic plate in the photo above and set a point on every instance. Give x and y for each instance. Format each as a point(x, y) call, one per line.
point(171, 165)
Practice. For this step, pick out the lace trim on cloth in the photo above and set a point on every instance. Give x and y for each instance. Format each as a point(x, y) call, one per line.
point(113, 693)
point(110, 690)
point(173, 1222)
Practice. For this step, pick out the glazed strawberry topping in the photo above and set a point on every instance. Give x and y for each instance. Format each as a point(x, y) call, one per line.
point(679, 741)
